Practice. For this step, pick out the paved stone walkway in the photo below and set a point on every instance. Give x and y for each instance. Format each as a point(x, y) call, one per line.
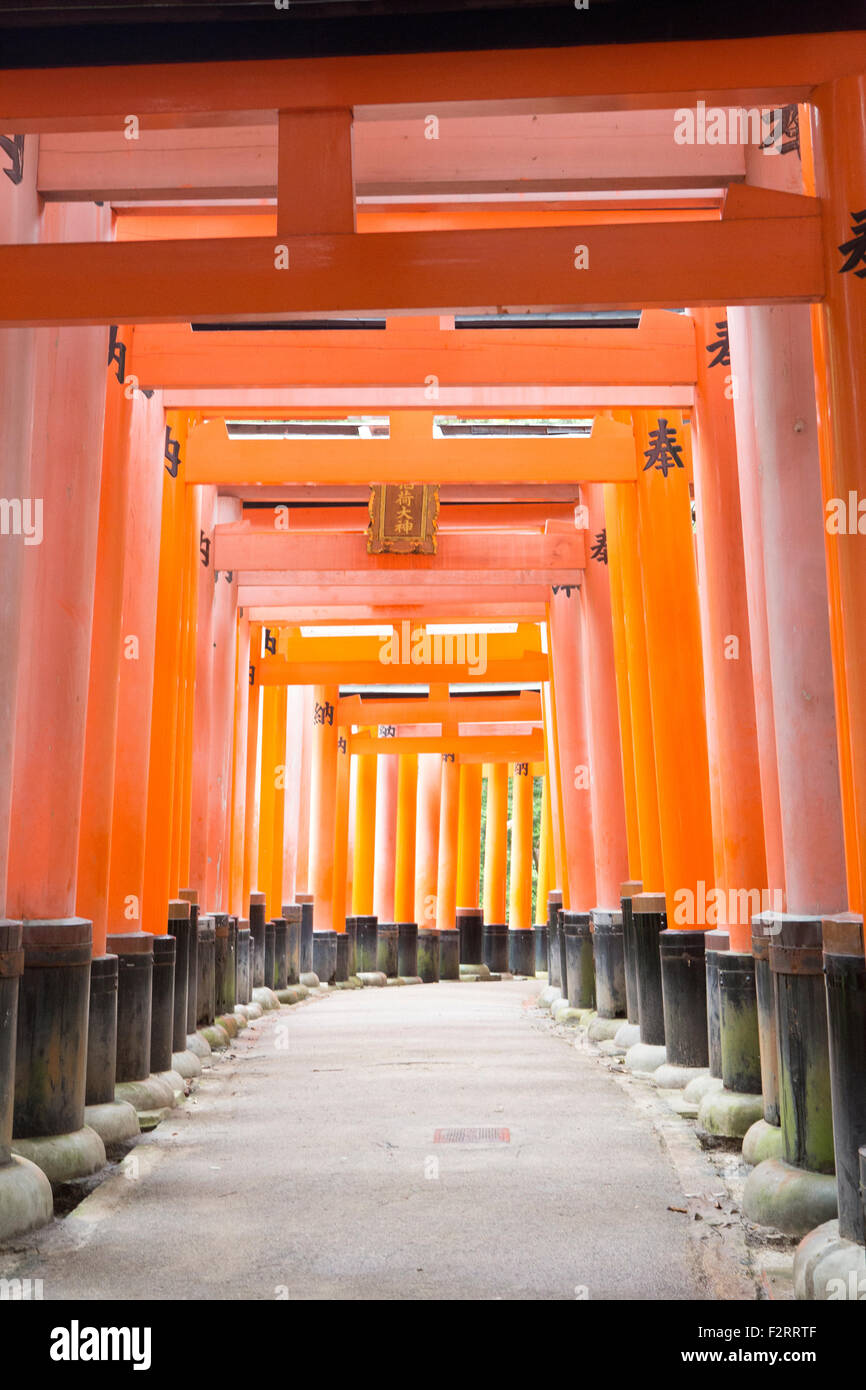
point(305, 1167)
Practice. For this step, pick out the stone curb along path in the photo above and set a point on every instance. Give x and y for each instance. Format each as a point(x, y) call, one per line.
point(725, 1260)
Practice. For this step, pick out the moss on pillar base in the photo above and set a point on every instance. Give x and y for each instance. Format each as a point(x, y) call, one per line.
point(64, 1157)
point(762, 1141)
point(729, 1114)
point(792, 1200)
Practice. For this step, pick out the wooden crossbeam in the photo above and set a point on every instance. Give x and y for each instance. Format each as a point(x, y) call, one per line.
point(491, 708)
point(745, 72)
point(528, 669)
point(467, 748)
point(662, 265)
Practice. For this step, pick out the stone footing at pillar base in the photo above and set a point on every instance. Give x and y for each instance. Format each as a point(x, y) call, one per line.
point(792, 1200)
point(762, 1141)
point(292, 994)
point(628, 1035)
point(352, 983)
point(473, 971)
point(701, 1086)
point(373, 979)
point(64, 1157)
point(309, 980)
point(198, 1045)
point(408, 980)
point(645, 1058)
point(186, 1064)
point(268, 1000)
point(728, 1114)
point(670, 1077)
point(149, 1096)
point(249, 1011)
point(115, 1121)
point(827, 1267)
point(604, 1029)
point(215, 1036)
point(176, 1082)
point(26, 1200)
point(612, 1048)
point(231, 1024)
point(548, 997)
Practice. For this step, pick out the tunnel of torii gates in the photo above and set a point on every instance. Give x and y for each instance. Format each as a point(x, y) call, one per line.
point(648, 589)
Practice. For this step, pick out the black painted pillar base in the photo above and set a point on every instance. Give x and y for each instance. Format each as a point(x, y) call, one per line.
point(102, 1032)
point(554, 955)
point(306, 902)
point(366, 944)
point(387, 950)
point(179, 928)
point(522, 950)
point(428, 955)
point(716, 943)
point(257, 938)
point(25, 1193)
point(494, 946)
point(343, 944)
point(470, 924)
point(407, 949)
point(224, 964)
point(325, 956)
point(845, 975)
point(540, 934)
point(292, 918)
point(649, 921)
point(162, 1003)
point(134, 951)
point(206, 983)
point(281, 953)
point(575, 940)
point(627, 892)
point(449, 954)
point(684, 995)
point(191, 896)
point(765, 990)
point(609, 958)
point(245, 990)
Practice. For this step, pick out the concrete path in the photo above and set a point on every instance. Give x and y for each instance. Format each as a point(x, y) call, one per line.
point(305, 1167)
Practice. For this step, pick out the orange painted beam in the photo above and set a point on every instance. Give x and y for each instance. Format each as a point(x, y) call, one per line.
point(526, 705)
point(492, 748)
point(661, 265)
point(423, 607)
point(528, 517)
point(467, 558)
point(603, 456)
point(648, 75)
point(530, 669)
point(660, 351)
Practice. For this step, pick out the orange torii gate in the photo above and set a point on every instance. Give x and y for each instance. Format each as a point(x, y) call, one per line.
point(683, 808)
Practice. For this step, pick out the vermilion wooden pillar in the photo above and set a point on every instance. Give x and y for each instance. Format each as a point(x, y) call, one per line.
point(520, 885)
point(323, 797)
point(224, 657)
point(559, 868)
point(621, 515)
point(275, 887)
point(136, 680)
point(239, 766)
point(427, 839)
point(449, 821)
point(675, 663)
point(469, 835)
point(387, 769)
point(496, 843)
point(364, 848)
point(569, 677)
point(733, 747)
point(295, 793)
point(544, 882)
point(404, 862)
point(774, 363)
point(97, 793)
point(270, 773)
point(201, 722)
point(192, 532)
point(19, 222)
point(748, 465)
point(838, 122)
point(251, 803)
point(606, 780)
point(341, 830)
point(303, 870)
point(57, 599)
point(623, 689)
point(165, 749)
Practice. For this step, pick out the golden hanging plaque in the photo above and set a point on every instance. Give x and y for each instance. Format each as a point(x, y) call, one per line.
point(403, 519)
